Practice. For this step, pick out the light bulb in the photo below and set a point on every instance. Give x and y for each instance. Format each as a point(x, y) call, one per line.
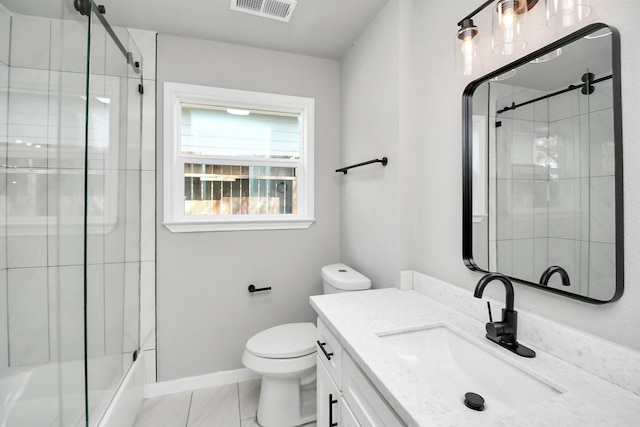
point(467, 50)
point(509, 18)
point(507, 12)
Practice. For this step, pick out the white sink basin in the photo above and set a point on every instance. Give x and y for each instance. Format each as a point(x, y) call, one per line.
point(454, 366)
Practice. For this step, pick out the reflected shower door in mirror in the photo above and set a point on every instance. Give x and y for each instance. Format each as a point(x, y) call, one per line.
point(542, 143)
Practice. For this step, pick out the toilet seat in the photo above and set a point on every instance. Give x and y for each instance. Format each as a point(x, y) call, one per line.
point(286, 341)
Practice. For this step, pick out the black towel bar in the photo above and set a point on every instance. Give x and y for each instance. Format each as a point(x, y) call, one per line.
point(383, 160)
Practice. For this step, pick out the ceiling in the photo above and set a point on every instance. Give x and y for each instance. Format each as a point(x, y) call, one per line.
point(322, 28)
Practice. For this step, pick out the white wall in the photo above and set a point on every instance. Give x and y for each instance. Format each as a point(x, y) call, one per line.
point(205, 313)
point(429, 161)
point(370, 197)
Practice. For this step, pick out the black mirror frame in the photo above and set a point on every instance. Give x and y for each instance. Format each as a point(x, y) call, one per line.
point(467, 189)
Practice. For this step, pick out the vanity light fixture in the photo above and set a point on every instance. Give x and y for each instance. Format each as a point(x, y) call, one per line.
point(508, 26)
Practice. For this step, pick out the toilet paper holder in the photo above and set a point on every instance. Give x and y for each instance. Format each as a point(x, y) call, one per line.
point(253, 289)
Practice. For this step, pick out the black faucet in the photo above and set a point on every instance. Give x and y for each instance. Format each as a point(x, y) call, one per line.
point(504, 332)
point(544, 279)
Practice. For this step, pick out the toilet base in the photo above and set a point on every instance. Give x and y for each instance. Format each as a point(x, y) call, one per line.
point(284, 403)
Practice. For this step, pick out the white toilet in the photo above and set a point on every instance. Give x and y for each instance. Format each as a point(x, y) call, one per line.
point(285, 356)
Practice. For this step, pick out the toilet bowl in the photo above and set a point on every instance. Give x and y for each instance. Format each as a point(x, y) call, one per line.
point(285, 356)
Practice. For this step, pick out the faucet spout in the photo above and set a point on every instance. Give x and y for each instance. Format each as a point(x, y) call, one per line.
point(507, 286)
point(544, 279)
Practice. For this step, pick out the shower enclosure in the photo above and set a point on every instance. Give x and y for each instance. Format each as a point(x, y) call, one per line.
point(554, 192)
point(70, 136)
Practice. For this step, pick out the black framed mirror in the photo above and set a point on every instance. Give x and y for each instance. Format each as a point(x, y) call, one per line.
point(542, 169)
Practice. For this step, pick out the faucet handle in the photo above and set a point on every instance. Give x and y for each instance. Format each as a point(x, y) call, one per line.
point(489, 308)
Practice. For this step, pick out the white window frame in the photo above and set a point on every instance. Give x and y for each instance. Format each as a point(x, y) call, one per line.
point(176, 94)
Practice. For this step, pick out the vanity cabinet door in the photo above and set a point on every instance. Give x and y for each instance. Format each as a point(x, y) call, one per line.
point(367, 404)
point(329, 399)
point(347, 419)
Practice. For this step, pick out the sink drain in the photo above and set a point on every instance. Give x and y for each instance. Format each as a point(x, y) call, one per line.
point(474, 401)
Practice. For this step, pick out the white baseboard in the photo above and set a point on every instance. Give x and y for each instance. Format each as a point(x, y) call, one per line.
point(201, 381)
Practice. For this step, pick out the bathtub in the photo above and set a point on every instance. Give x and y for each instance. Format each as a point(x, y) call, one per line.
point(53, 395)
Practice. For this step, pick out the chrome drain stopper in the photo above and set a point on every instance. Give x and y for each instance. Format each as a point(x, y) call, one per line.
point(474, 401)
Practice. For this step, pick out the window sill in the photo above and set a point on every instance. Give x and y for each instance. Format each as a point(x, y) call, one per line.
point(238, 225)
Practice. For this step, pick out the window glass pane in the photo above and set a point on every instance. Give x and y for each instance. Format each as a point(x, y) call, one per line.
point(239, 190)
point(221, 131)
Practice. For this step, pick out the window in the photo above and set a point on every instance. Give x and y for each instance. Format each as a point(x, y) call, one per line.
point(236, 160)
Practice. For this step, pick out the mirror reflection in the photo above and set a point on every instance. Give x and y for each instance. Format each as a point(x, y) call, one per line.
point(543, 180)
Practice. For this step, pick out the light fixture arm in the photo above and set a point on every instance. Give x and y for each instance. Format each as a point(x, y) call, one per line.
point(475, 12)
point(530, 4)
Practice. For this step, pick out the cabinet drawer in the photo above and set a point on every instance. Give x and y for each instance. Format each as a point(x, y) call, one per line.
point(330, 353)
point(368, 406)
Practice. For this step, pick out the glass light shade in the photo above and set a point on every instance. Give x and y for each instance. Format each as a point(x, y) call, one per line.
point(565, 13)
point(466, 49)
point(508, 27)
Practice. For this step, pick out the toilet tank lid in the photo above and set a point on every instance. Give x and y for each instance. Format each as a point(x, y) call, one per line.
point(341, 276)
point(284, 341)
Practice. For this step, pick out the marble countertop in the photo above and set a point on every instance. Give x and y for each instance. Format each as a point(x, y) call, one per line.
point(357, 318)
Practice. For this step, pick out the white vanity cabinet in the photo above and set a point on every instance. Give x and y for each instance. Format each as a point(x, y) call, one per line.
point(346, 398)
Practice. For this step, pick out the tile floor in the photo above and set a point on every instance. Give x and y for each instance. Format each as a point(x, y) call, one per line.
point(231, 405)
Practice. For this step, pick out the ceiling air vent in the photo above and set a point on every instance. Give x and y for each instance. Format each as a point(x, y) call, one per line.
point(274, 9)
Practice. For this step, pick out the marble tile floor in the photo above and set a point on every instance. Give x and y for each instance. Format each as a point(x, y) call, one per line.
point(232, 405)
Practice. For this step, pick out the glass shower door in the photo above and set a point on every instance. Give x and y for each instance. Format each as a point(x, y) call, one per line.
point(43, 64)
point(113, 209)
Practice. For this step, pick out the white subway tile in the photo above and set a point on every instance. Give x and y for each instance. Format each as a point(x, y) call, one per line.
point(523, 259)
point(147, 305)
point(4, 327)
point(69, 46)
point(95, 289)
point(5, 35)
point(132, 216)
point(114, 307)
point(30, 38)
point(28, 316)
point(66, 312)
point(148, 216)
point(27, 251)
point(602, 271)
point(602, 209)
point(602, 143)
point(131, 315)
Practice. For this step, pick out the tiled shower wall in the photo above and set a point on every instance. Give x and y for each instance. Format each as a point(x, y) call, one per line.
point(555, 169)
point(38, 323)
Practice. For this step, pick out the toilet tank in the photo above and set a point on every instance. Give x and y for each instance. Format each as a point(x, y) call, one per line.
point(342, 278)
